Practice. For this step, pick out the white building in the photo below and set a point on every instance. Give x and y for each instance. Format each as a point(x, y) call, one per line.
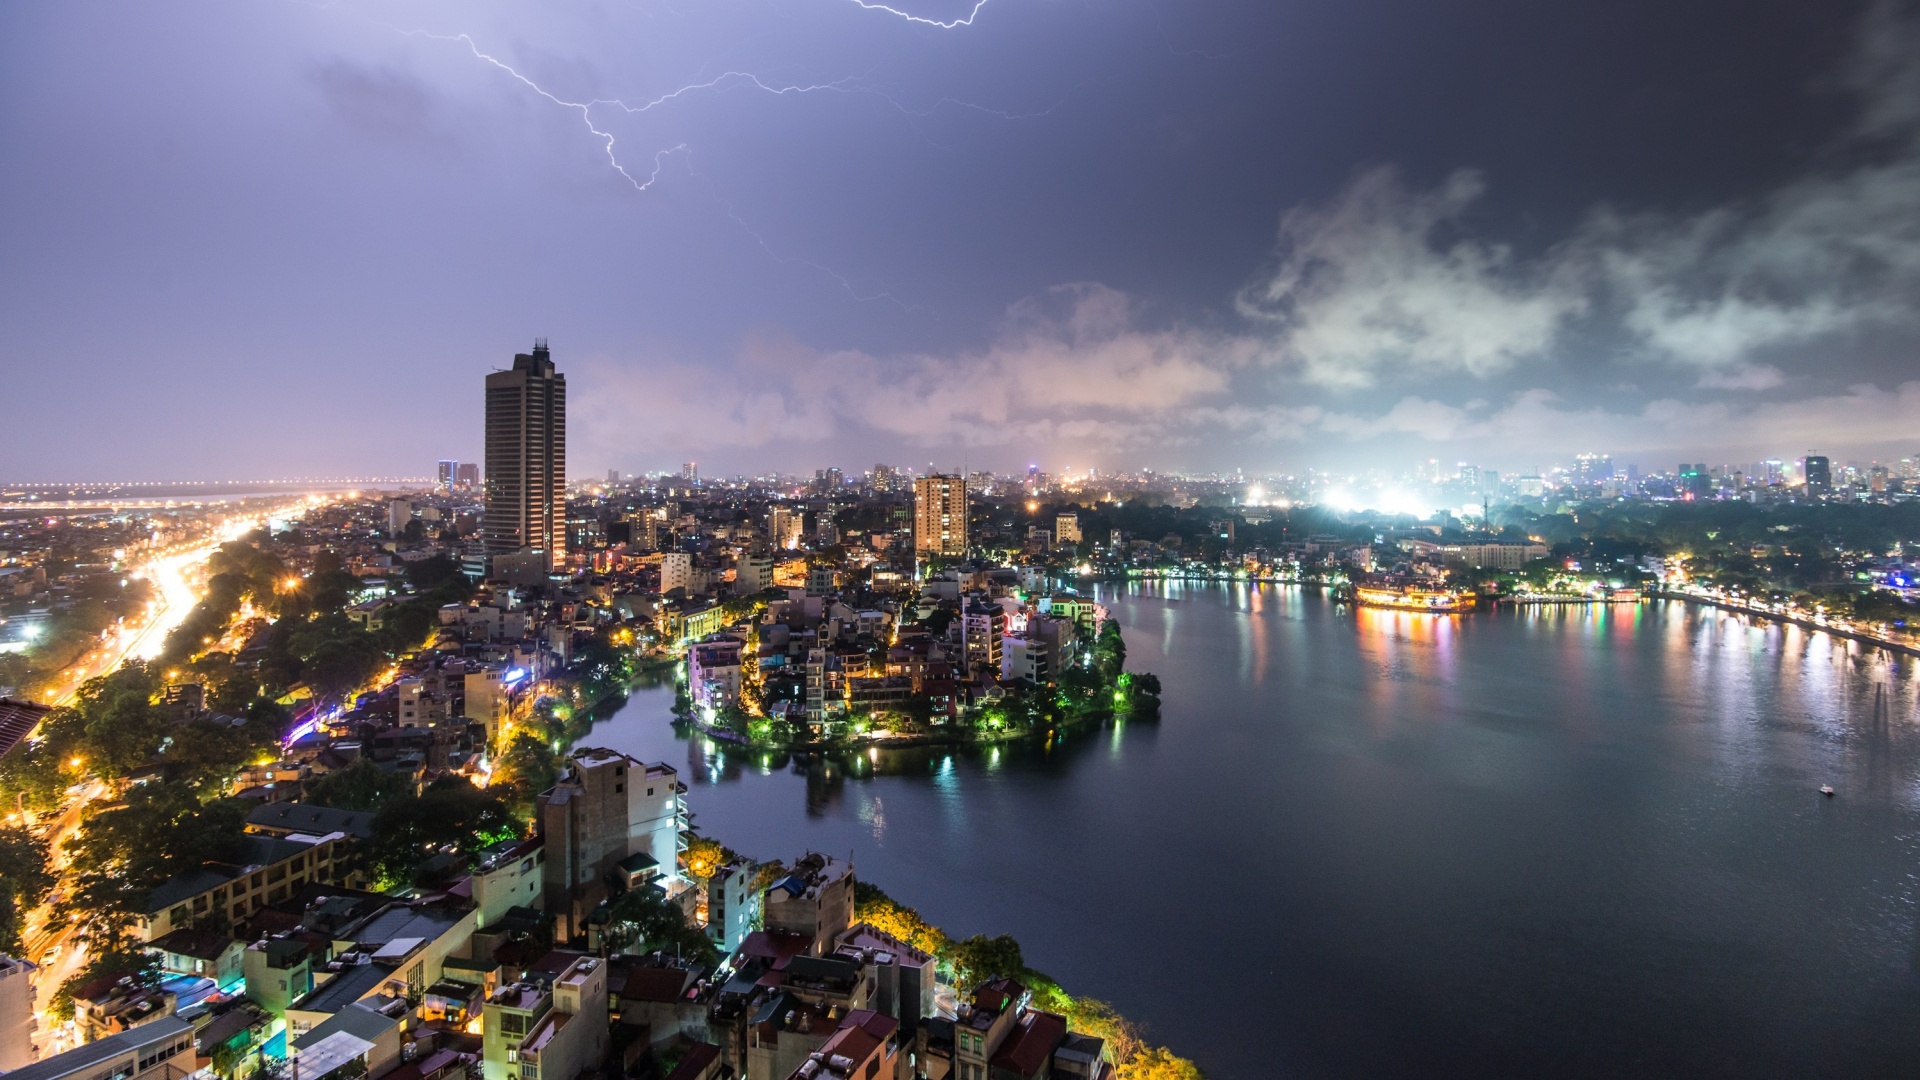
point(16, 1014)
point(676, 572)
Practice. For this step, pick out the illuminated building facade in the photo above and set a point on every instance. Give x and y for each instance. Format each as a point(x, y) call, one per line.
point(527, 457)
point(940, 515)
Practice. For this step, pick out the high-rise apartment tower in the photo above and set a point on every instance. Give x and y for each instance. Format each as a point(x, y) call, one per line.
point(527, 457)
point(940, 515)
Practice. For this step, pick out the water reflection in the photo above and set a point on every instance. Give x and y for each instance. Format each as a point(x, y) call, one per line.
point(1444, 837)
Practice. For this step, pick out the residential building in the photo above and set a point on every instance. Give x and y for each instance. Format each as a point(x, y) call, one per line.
point(1066, 529)
point(271, 868)
point(488, 697)
point(17, 1025)
point(510, 874)
point(279, 971)
point(572, 1036)
point(902, 976)
point(676, 572)
point(605, 809)
point(364, 1039)
point(814, 899)
point(526, 452)
point(162, 1050)
point(307, 819)
point(532, 1031)
point(863, 1047)
point(202, 954)
point(733, 904)
point(714, 672)
point(940, 515)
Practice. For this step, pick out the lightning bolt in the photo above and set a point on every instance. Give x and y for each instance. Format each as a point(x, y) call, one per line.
point(722, 82)
point(968, 21)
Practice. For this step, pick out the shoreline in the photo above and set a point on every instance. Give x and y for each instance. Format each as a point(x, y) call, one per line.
point(1797, 620)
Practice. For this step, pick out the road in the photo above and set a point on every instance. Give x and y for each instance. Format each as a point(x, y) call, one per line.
point(175, 574)
point(175, 577)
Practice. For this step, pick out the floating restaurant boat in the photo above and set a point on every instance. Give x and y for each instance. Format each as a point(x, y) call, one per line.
point(1414, 598)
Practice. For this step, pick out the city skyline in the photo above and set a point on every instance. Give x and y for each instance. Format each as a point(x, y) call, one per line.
point(1224, 236)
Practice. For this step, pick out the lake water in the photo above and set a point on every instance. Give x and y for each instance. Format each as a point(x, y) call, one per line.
point(1562, 842)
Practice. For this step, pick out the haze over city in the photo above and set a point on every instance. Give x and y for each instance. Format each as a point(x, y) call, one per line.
point(1200, 236)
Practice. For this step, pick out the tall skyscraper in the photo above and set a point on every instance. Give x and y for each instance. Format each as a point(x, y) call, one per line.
point(527, 457)
point(690, 472)
point(1591, 469)
point(468, 475)
point(940, 515)
point(448, 471)
point(1819, 474)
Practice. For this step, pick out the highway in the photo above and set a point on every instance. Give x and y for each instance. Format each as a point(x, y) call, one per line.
point(179, 582)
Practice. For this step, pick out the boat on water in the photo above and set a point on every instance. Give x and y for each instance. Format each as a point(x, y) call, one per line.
point(1414, 598)
point(1827, 790)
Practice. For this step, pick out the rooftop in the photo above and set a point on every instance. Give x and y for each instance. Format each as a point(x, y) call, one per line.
point(308, 818)
point(95, 1053)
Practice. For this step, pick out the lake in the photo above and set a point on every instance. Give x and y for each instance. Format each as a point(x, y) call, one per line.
point(1564, 841)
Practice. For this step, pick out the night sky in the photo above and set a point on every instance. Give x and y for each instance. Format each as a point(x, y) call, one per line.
point(270, 238)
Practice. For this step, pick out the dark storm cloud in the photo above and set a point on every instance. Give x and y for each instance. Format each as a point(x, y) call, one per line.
point(1386, 286)
point(1503, 229)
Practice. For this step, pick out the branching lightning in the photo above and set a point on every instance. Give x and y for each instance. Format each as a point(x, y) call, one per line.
point(746, 79)
point(967, 21)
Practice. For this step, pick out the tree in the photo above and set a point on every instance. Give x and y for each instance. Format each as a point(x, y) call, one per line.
point(227, 1058)
point(122, 854)
point(360, 786)
point(872, 905)
point(451, 815)
point(132, 962)
point(645, 921)
point(1159, 1063)
point(24, 881)
point(705, 857)
point(980, 959)
point(1110, 650)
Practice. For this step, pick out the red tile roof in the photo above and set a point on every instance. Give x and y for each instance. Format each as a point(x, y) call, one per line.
point(1032, 1044)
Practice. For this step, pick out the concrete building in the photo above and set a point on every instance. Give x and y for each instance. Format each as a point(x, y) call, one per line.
point(751, 574)
point(733, 904)
point(1501, 556)
point(364, 1035)
point(17, 1025)
point(607, 808)
point(532, 1031)
point(399, 516)
point(714, 672)
point(279, 971)
point(488, 697)
point(510, 874)
point(1066, 529)
point(940, 515)
point(815, 899)
point(200, 953)
point(676, 572)
point(527, 458)
point(161, 1050)
point(863, 1047)
point(271, 868)
point(572, 1037)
